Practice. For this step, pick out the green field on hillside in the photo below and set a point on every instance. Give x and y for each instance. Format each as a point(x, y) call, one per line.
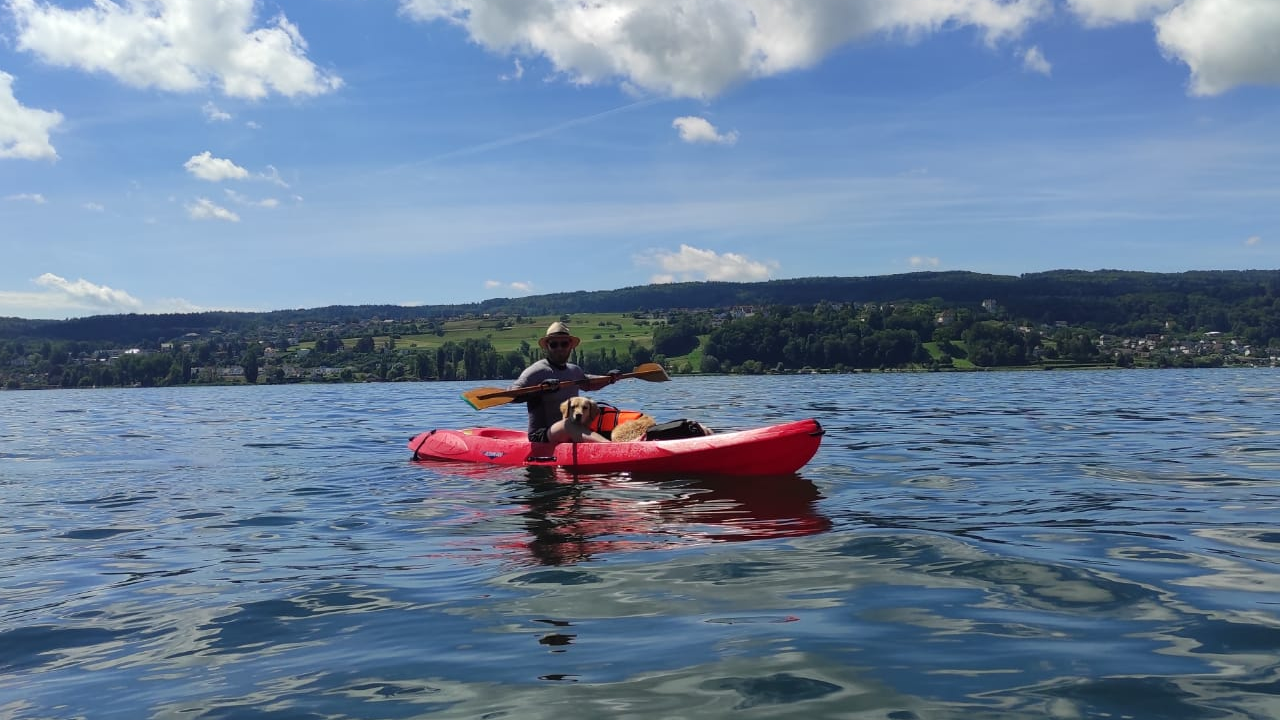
point(958, 363)
point(607, 331)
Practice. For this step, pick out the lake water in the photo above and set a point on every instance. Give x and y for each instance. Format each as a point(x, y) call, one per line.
point(994, 545)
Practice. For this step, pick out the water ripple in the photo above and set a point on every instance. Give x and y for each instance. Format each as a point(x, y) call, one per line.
point(985, 545)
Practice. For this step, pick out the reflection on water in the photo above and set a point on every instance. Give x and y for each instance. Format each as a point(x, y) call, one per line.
point(573, 519)
point(1023, 545)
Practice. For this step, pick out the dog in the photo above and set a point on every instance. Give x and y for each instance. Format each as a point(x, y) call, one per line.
point(638, 429)
point(579, 412)
point(632, 430)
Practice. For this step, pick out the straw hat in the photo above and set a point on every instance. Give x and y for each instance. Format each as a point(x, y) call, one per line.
point(559, 330)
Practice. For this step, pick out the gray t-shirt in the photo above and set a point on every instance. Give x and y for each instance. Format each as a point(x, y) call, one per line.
point(544, 409)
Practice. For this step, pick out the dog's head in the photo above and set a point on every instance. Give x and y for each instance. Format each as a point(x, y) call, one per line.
point(580, 410)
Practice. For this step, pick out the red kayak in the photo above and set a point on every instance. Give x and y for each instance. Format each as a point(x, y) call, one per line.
point(772, 450)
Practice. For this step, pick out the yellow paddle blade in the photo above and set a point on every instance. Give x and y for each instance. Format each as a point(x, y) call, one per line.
point(483, 398)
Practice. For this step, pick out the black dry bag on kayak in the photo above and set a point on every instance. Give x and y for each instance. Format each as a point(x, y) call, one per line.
point(676, 430)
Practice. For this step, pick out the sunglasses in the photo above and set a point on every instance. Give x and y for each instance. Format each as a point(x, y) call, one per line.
point(557, 344)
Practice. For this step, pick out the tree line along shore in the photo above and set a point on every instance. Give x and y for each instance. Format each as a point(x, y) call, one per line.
point(1077, 320)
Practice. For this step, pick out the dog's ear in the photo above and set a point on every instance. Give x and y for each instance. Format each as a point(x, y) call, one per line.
point(564, 409)
point(594, 408)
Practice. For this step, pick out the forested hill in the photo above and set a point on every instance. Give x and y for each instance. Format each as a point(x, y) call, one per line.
point(1107, 300)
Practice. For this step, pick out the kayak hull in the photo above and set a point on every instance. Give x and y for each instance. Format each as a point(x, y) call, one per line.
point(773, 450)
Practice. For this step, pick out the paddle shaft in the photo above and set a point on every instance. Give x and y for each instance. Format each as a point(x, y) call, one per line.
point(482, 398)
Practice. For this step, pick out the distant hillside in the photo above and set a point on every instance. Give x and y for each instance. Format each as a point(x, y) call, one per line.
point(1103, 299)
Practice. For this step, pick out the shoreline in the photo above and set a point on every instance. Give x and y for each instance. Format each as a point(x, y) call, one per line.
point(1071, 367)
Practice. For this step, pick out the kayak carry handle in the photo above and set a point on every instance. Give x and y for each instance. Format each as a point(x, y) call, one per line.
point(425, 438)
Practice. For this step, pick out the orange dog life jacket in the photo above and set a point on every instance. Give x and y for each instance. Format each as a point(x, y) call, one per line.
point(611, 417)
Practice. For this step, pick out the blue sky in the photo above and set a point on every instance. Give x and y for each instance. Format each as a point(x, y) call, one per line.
point(181, 155)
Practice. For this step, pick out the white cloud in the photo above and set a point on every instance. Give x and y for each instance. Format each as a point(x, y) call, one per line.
point(516, 286)
point(695, 130)
point(1099, 13)
point(691, 263)
point(57, 297)
point(206, 209)
point(1034, 61)
point(1226, 43)
point(272, 175)
point(245, 200)
point(207, 167)
point(515, 74)
point(83, 293)
point(698, 48)
point(31, 305)
point(174, 305)
point(213, 114)
point(684, 48)
point(177, 45)
point(36, 198)
point(95, 207)
point(1254, 241)
point(920, 261)
point(24, 131)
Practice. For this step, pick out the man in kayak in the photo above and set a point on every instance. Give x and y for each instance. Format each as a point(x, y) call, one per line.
point(559, 378)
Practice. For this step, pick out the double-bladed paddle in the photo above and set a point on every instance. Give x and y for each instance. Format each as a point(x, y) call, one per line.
point(482, 398)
